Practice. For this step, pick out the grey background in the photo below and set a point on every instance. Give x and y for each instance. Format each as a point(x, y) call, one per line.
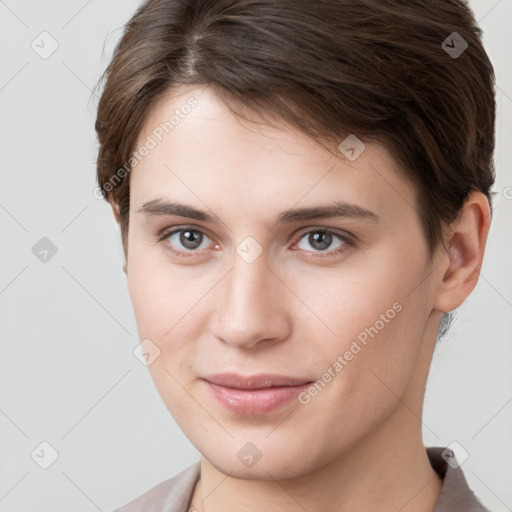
point(67, 330)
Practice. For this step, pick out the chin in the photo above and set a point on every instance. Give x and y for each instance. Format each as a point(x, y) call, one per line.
point(263, 460)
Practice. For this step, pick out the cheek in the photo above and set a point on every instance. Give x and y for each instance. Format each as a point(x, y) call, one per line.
point(164, 314)
point(364, 370)
point(349, 302)
point(375, 314)
point(160, 294)
point(169, 310)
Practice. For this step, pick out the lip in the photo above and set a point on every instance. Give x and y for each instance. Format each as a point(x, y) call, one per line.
point(255, 394)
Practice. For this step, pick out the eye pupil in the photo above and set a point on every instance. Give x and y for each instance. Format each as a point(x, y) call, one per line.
point(189, 238)
point(322, 238)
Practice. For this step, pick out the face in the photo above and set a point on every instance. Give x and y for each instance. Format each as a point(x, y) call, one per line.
point(251, 276)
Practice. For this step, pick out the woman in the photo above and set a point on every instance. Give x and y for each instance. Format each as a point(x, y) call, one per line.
point(303, 193)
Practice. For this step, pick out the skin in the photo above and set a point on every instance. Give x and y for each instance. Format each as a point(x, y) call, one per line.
point(357, 445)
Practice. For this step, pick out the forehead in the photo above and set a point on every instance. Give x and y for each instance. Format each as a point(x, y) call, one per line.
point(200, 150)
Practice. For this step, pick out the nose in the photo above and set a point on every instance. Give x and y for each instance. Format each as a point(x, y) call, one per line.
point(250, 307)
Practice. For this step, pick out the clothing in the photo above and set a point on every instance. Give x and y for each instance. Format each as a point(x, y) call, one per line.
point(175, 494)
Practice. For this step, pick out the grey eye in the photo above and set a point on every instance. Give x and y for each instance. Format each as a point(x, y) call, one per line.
point(320, 240)
point(189, 239)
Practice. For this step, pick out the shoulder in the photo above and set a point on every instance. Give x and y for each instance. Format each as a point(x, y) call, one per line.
point(456, 495)
point(172, 495)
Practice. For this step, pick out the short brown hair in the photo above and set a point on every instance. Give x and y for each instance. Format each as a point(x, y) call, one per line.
point(379, 69)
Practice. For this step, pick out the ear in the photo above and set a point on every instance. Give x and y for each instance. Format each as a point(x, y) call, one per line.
point(117, 216)
point(465, 240)
point(115, 210)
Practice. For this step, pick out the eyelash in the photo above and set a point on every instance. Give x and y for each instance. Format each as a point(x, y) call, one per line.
point(347, 242)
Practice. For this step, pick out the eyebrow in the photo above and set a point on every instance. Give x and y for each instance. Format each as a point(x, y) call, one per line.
point(160, 208)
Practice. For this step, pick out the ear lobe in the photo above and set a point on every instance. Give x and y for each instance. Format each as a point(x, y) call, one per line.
point(465, 250)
